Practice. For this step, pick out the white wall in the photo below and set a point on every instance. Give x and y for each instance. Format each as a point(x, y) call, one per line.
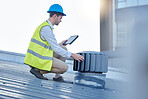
point(19, 19)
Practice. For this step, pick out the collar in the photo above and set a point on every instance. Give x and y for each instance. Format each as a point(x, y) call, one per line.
point(50, 24)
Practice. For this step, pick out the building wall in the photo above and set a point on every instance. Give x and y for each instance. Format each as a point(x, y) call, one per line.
point(106, 27)
point(130, 22)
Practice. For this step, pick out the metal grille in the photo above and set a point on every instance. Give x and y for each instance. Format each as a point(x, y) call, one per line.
point(94, 62)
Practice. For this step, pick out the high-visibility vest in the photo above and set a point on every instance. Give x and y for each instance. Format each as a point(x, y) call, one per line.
point(39, 53)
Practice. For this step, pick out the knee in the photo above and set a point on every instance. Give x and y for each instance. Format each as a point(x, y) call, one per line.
point(64, 69)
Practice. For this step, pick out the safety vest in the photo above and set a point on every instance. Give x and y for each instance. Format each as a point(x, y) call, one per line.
point(39, 53)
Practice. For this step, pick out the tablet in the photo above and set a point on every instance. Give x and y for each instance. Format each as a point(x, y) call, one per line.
point(71, 39)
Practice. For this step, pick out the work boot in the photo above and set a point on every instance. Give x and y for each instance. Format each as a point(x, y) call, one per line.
point(60, 79)
point(37, 74)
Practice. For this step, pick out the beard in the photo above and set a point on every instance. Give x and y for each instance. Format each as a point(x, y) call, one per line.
point(56, 23)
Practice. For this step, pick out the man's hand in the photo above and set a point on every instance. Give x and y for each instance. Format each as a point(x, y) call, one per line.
point(61, 44)
point(77, 57)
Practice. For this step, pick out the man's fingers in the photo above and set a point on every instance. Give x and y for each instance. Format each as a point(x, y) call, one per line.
point(64, 41)
point(81, 59)
point(78, 57)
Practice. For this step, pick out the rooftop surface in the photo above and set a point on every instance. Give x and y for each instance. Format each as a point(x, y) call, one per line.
point(17, 82)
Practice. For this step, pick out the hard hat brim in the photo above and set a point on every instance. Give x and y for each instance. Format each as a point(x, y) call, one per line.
point(60, 12)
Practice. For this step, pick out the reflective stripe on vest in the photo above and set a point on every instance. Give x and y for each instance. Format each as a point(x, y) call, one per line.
point(41, 44)
point(38, 55)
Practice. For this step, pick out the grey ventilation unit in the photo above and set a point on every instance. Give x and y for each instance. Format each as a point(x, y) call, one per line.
point(94, 62)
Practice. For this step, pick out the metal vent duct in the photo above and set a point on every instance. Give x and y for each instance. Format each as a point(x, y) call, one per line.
point(94, 62)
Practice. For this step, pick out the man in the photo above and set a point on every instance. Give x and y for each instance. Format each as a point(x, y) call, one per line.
point(44, 54)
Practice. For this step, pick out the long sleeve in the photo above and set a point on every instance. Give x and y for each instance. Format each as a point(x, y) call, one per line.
point(48, 35)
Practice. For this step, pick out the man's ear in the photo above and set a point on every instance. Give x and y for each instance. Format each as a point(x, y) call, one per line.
point(54, 16)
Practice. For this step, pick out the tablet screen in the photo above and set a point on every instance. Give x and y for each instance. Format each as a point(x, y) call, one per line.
point(71, 39)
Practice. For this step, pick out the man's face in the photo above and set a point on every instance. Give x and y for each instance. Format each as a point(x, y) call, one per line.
point(58, 19)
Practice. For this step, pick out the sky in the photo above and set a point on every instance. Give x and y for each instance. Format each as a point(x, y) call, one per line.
point(19, 19)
